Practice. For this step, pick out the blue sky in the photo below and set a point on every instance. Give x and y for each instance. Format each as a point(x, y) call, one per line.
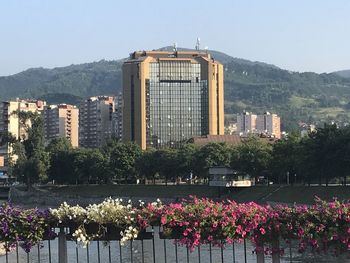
point(300, 35)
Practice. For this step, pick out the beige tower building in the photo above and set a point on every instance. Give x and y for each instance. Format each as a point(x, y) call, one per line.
point(9, 123)
point(96, 121)
point(62, 121)
point(170, 97)
point(269, 124)
point(246, 123)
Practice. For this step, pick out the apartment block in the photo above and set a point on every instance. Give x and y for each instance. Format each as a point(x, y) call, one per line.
point(62, 121)
point(170, 97)
point(118, 117)
point(246, 123)
point(266, 124)
point(96, 121)
point(269, 124)
point(10, 123)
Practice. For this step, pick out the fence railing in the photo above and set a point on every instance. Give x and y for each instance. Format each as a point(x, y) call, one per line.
point(151, 246)
point(148, 248)
point(190, 231)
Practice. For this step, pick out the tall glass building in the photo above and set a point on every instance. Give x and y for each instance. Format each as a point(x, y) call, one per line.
point(170, 97)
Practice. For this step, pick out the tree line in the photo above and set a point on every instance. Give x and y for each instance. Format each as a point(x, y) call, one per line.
point(321, 157)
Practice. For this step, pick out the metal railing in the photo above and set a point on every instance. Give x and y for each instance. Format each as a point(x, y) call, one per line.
point(150, 247)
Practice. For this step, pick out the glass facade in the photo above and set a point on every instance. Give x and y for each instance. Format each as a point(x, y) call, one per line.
point(176, 103)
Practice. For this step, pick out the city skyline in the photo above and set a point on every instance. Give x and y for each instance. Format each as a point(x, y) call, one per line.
point(293, 35)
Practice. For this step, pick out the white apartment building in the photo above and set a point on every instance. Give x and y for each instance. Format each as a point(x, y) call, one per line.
point(62, 121)
point(246, 123)
point(96, 121)
point(267, 124)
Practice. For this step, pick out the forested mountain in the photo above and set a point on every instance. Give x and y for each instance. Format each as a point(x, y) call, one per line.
point(343, 73)
point(252, 86)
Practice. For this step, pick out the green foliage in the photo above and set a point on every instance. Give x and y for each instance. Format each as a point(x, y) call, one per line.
point(326, 154)
point(168, 163)
point(89, 166)
point(187, 161)
point(82, 80)
point(212, 154)
point(6, 138)
point(146, 165)
point(122, 160)
point(59, 98)
point(59, 145)
point(286, 158)
point(61, 163)
point(33, 161)
point(252, 157)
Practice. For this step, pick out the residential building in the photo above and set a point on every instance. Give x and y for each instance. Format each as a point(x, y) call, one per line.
point(266, 124)
point(170, 97)
point(269, 124)
point(10, 123)
point(246, 123)
point(62, 121)
point(118, 117)
point(96, 121)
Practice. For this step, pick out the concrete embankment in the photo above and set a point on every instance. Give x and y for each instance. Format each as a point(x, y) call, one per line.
point(51, 196)
point(46, 196)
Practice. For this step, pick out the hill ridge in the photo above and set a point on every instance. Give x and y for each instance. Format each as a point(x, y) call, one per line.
point(253, 86)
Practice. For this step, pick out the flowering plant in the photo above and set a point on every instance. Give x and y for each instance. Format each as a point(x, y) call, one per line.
point(191, 222)
point(23, 227)
point(66, 213)
point(198, 221)
point(103, 216)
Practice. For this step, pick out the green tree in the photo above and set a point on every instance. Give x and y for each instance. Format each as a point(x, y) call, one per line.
point(6, 138)
point(253, 157)
point(344, 153)
point(61, 169)
point(186, 159)
point(286, 159)
point(209, 155)
point(33, 161)
point(59, 144)
point(147, 165)
point(123, 159)
point(324, 154)
point(90, 166)
point(168, 163)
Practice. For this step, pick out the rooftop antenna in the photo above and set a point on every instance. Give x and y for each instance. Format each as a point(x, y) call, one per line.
point(198, 43)
point(175, 47)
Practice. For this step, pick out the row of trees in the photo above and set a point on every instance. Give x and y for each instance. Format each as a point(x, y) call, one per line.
point(321, 157)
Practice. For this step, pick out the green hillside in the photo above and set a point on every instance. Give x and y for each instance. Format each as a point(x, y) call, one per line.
point(343, 73)
point(251, 86)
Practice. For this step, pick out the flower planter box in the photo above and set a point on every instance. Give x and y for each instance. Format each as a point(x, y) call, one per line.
point(110, 232)
point(144, 235)
point(49, 234)
point(170, 234)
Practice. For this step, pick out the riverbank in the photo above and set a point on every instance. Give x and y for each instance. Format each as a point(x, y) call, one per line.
point(45, 196)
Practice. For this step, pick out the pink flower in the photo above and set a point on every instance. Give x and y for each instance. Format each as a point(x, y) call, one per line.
point(163, 220)
point(262, 231)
